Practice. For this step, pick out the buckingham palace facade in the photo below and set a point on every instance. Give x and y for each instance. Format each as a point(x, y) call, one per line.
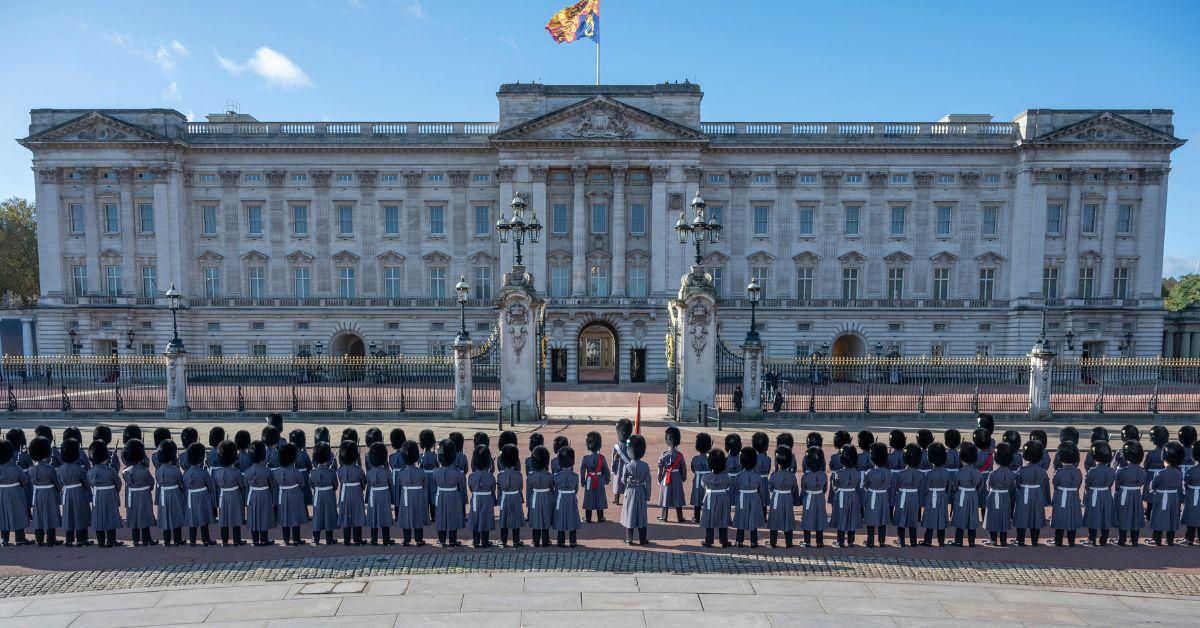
point(917, 238)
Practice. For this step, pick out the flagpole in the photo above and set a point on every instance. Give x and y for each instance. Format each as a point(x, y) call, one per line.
point(597, 63)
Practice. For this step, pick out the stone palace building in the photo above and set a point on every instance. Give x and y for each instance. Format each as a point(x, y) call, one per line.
point(918, 238)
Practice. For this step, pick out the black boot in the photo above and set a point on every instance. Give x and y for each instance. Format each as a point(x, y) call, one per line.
point(941, 537)
point(545, 538)
point(787, 538)
point(600, 516)
point(486, 542)
point(1156, 538)
point(587, 515)
point(1020, 537)
point(39, 537)
point(296, 538)
point(870, 536)
point(562, 538)
point(663, 517)
point(1170, 538)
point(1058, 537)
point(317, 538)
point(374, 536)
point(112, 539)
point(928, 542)
point(642, 537)
point(286, 531)
point(407, 537)
point(442, 538)
point(628, 537)
point(850, 538)
point(679, 513)
point(571, 539)
point(808, 538)
point(238, 541)
point(100, 539)
point(754, 538)
point(387, 536)
point(912, 536)
point(695, 514)
point(1071, 538)
point(1121, 536)
point(329, 540)
point(708, 538)
point(81, 538)
point(723, 535)
point(206, 538)
point(882, 530)
point(177, 536)
point(346, 538)
point(52, 537)
point(739, 536)
point(970, 538)
point(1033, 536)
point(69, 533)
point(224, 536)
point(820, 538)
point(358, 537)
point(516, 538)
point(419, 537)
point(773, 539)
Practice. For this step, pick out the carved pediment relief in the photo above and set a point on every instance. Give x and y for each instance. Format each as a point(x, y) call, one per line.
point(299, 257)
point(853, 257)
point(716, 258)
point(599, 119)
point(898, 257)
point(558, 257)
point(95, 127)
point(436, 257)
point(109, 256)
point(482, 257)
point(637, 256)
point(990, 257)
point(254, 256)
point(760, 257)
point(210, 257)
point(390, 257)
point(944, 258)
point(1108, 128)
point(345, 257)
point(806, 257)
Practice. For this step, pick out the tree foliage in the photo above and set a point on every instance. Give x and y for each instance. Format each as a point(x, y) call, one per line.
point(18, 251)
point(1184, 294)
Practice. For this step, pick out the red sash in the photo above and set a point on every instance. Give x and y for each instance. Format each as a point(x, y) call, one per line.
point(594, 474)
point(987, 462)
point(675, 462)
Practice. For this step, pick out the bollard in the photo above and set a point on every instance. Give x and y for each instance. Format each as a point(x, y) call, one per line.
point(699, 410)
point(719, 420)
point(500, 419)
point(704, 418)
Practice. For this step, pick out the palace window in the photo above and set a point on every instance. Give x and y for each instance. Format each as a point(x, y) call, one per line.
point(254, 225)
point(637, 219)
point(1124, 219)
point(1050, 282)
point(146, 217)
point(390, 178)
point(299, 178)
point(345, 220)
point(149, 281)
point(392, 282)
point(437, 282)
point(945, 215)
point(761, 274)
point(302, 282)
point(208, 215)
point(988, 224)
point(253, 178)
point(300, 220)
point(716, 178)
point(598, 281)
point(560, 280)
point(391, 220)
point(945, 178)
point(1121, 282)
point(78, 217)
point(854, 178)
point(987, 283)
point(112, 281)
point(635, 284)
point(849, 283)
point(212, 282)
point(256, 280)
point(804, 282)
point(852, 220)
point(481, 178)
point(941, 284)
point(347, 282)
point(991, 178)
point(112, 218)
point(208, 178)
point(806, 221)
point(1087, 282)
point(437, 220)
point(345, 178)
point(762, 225)
point(558, 219)
point(79, 280)
point(808, 178)
point(762, 178)
point(898, 220)
point(483, 282)
point(599, 218)
point(1088, 225)
point(1054, 219)
point(483, 220)
point(895, 283)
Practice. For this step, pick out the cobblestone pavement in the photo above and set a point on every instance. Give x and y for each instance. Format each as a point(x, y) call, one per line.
point(499, 599)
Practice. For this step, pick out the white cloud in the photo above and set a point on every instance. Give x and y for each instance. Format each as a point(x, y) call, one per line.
point(191, 117)
point(1174, 266)
point(413, 9)
point(355, 4)
point(271, 65)
point(165, 55)
point(172, 91)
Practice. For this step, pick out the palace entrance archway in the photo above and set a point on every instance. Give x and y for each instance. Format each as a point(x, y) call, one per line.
point(598, 351)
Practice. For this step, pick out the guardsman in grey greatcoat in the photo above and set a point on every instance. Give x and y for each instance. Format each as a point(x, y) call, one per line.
point(636, 476)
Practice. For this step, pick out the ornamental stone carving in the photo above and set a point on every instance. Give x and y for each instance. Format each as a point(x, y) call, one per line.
point(87, 175)
point(101, 133)
point(320, 178)
point(601, 124)
point(675, 202)
point(739, 178)
point(693, 174)
point(1076, 175)
point(1112, 175)
point(658, 174)
point(831, 178)
point(230, 178)
point(412, 178)
point(49, 175)
point(124, 175)
point(458, 178)
point(785, 178)
point(1040, 175)
point(275, 178)
point(877, 179)
point(516, 317)
point(578, 174)
point(538, 173)
point(969, 179)
point(923, 179)
point(699, 317)
point(366, 178)
point(1153, 176)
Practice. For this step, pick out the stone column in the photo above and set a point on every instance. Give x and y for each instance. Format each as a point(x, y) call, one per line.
point(1108, 236)
point(619, 232)
point(783, 241)
point(964, 225)
point(1072, 217)
point(27, 348)
point(277, 222)
point(752, 379)
point(1029, 233)
point(829, 284)
point(457, 220)
point(464, 408)
point(368, 222)
point(414, 284)
point(660, 221)
point(1151, 230)
point(1041, 370)
point(520, 309)
point(1185, 344)
point(130, 227)
point(872, 230)
point(167, 228)
point(696, 311)
point(321, 224)
point(919, 229)
point(49, 228)
point(579, 233)
point(231, 234)
point(177, 404)
point(737, 227)
point(539, 204)
point(94, 228)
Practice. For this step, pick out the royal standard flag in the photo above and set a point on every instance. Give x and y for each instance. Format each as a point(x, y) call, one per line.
point(581, 19)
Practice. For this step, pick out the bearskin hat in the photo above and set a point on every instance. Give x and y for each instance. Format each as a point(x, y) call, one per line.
point(841, 438)
point(351, 435)
point(540, 458)
point(1013, 438)
point(814, 459)
point(716, 461)
point(748, 457)
point(912, 455)
point(849, 456)
point(69, 452)
point(783, 457)
point(426, 439)
point(7, 451)
point(133, 431)
point(1033, 451)
point(373, 435)
point(594, 441)
point(952, 439)
point(258, 452)
point(897, 439)
point(321, 435)
point(981, 439)
point(457, 439)
point(1068, 453)
point(879, 455)
point(16, 436)
point(1004, 454)
point(937, 454)
point(510, 456)
point(134, 452)
point(227, 454)
point(672, 436)
point(275, 420)
point(70, 432)
point(637, 446)
point(102, 433)
point(968, 453)
point(409, 451)
point(1100, 433)
point(168, 452)
point(187, 436)
point(270, 436)
point(1159, 435)
point(1040, 436)
point(396, 438)
point(447, 453)
point(1173, 454)
point(733, 444)
point(536, 440)
point(322, 454)
point(39, 448)
point(1068, 434)
point(481, 458)
point(1132, 452)
point(481, 438)
point(566, 457)
point(195, 454)
point(559, 442)
point(814, 439)
point(986, 421)
point(924, 438)
point(216, 435)
point(45, 432)
point(624, 429)
point(703, 443)
point(1187, 435)
point(1130, 432)
point(507, 437)
point(287, 455)
point(377, 455)
point(161, 434)
point(759, 441)
point(865, 438)
point(785, 439)
point(1102, 452)
point(241, 439)
point(298, 438)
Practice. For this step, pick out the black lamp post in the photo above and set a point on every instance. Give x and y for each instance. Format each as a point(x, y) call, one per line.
point(755, 292)
point(463, 290)
point(76, 346)
point(319, 347)
point(1126, 341)
point(129, 339)
point(1070, 337)
point(699, 229)
point(878, 349)
point(518, 226)
point(174, 301)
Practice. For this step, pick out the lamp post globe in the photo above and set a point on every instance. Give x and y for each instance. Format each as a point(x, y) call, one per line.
point(755, 292)
point(174, 302)
point(463, 290)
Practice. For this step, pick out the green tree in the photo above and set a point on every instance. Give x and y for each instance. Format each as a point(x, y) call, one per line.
point(1184, 294)
point(1168, 285)
point(18, 251)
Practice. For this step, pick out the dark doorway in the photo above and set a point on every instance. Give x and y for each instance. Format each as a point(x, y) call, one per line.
point(558, 365)
point(637, 365)
point(597, 354)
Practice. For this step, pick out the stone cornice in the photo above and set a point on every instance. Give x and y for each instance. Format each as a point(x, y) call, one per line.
point(229, 178)
point(412, 178)
point(969, 179)
point(922, 179)
point(458, 178)
point(538, 173)
point(275, 178)
point(366, 178)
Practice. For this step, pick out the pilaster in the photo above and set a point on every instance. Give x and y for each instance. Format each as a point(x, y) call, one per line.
point(322, 232)
point(520, 311)
point(619, 232)
point(579, 233)
point(51, 219)
point(660, 220)
point(1074, 213)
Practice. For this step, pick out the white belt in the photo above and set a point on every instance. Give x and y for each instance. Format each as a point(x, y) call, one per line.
point(561, 494)
point(230, 489)
point(1125, 490)
point(1063, 501)
point(904, 494)
point(317, 490)
point(536, 492)
point(15, 484)
point(1096, 492)
point(808, 497)
point(843, 491)
point(134, 489)
point(1195, 495)
point(962, 493)
point(475, 497)
point(96, 491)
point(404, 492)
point(250, 493)
point(342, 493)
point(504, 495)
point(65, 488)
point(935, 492)
point(742, 497)
point(1166, 497)
point(281, 490)
point(997, 493)
point(443, 489)
point(775, 497)
point(371, 494)
point(874, 492)
point(194, 490)
point(1025, 493)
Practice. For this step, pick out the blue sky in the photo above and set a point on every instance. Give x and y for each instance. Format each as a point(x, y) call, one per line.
point(756, 60)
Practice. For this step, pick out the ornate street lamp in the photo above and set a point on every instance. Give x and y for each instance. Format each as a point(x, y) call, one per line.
point(76, 346)
point(698, 229)
point(319, 347)
point(129, 339)
point(755, 292)
point(518, 226)
point(463, 290)
point(1070, 340)
point(878, 349)
point(1126, 342)
point(174, 302)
